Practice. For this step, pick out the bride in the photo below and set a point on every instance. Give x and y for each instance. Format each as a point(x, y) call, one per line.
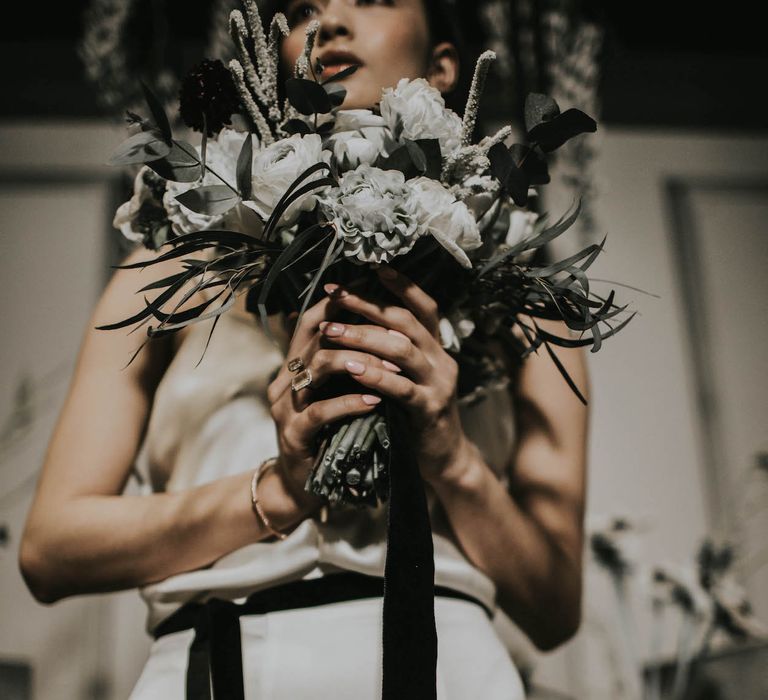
point(505, 477)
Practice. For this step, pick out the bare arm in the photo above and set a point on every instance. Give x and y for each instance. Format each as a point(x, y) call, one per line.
point(530, 544)
point(81, 534)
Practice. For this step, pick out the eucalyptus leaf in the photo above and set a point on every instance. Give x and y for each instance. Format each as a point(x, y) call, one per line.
point(212, 200)
point(158, 113)
point(307, 96)
point(297, 126)
point(341, 74)
point(245, 168)
point(501, 162)
point(434, 156)
point(554, 133)
point(533, 161)
point(336, 93)
point(417, 155)
point(539, 108)
point(143, 147)
point(180, 165)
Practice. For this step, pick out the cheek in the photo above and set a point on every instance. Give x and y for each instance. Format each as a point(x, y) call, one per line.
point(396, 51)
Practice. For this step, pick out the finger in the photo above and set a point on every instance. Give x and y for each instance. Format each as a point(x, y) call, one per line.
point(387, 315)
point(388, 344)
point(306, 328)
point(329, 361)
point(319, 413)
point(423, 306)
point(282, 382)
point(385, 382)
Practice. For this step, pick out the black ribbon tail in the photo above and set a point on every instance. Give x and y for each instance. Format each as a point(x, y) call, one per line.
point(216, 653)
point(409, 633)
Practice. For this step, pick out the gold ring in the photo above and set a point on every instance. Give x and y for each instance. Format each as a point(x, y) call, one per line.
point(302, 380)
point(296, 365)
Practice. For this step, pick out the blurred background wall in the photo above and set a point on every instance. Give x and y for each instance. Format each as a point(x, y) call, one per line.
point(679, 438)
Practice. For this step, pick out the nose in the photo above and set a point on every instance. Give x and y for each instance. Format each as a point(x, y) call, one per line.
point(334, 21)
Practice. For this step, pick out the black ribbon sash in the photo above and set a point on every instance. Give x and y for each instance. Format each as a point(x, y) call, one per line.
point(409, 635)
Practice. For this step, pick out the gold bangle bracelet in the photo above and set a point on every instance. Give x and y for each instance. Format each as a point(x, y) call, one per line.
point(257, 474)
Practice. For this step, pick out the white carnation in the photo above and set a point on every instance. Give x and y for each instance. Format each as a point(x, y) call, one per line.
point(415, 110)
point(373, 212)
point(275, 169)
point(446, 218)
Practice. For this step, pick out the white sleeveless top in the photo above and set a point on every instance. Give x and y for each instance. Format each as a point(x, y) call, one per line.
point(213, 420)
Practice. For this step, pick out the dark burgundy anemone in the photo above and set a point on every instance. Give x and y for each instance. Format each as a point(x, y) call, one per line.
point(208, 89)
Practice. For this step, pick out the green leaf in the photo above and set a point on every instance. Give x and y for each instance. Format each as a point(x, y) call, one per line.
point(533, 162)
point(414, 158)
point(417, 155)
point(211, 199)
point(434, 156)
point(158, 113)
point(144, 147)
point(245, 168)
point(307, 96)
point(180, 165)
point(538, 109)
point(297, 126)
point(336, 93)
point(341, 74)
point(554, 133)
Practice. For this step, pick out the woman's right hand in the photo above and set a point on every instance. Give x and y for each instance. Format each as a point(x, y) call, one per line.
point(299, 416)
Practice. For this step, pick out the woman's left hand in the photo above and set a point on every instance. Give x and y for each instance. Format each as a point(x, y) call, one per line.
point(409, 337)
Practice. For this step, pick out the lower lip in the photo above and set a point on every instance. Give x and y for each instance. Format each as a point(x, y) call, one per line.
point(330, 71)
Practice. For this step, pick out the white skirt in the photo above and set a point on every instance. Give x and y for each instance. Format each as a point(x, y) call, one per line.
point(334, 651)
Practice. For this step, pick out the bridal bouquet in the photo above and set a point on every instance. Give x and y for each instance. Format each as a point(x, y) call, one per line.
point(287, 190)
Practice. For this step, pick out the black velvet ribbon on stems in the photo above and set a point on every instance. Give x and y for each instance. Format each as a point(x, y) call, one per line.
point(409, 632)
point(409, 635)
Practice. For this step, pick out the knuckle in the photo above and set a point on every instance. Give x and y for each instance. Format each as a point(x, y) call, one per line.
point(430, 307)
point(403, 348)
point(321, 359)
point(273, 392)
point(314, 413)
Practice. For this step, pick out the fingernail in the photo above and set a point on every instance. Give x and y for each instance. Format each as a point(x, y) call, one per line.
point(334, 290)
point(332, 329)
point(370, 399)
point(354, 367)
point(392, 331)
point(387, 273)
point(322, 325)
point(391, 366)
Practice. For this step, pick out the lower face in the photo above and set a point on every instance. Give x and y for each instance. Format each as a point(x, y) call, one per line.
point(389, 37)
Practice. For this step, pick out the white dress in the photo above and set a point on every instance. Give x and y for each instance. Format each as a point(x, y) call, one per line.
point(213, 420)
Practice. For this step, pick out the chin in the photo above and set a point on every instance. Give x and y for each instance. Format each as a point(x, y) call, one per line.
point(355, 100)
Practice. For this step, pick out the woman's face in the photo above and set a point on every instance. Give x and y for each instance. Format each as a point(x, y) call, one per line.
point(388, 39)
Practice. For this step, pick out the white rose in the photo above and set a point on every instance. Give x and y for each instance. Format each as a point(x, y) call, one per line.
point(359, 136)
point(415, 110)
point(143, 219)
point(446, 218)
point(373, 211)
point(277, 166)
point(221, 156)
